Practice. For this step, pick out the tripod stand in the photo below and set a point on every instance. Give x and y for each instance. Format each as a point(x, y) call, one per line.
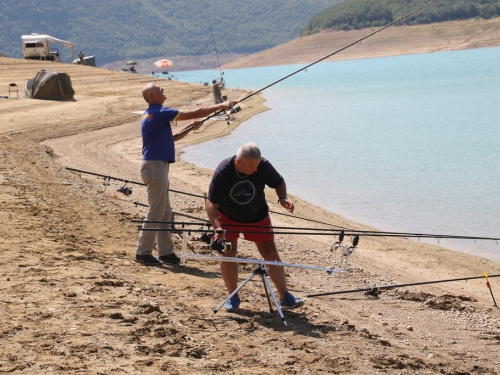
point(262, 271)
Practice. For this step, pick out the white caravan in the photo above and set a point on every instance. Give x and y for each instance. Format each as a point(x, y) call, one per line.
point(38, 47)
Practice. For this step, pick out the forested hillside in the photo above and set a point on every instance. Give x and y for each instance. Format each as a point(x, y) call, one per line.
point(356, 14)
point(136, 29)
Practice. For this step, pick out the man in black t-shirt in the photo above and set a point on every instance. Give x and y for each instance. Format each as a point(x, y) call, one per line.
point(236, 202)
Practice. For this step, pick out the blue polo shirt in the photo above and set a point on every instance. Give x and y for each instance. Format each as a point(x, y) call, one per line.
point(157, 138)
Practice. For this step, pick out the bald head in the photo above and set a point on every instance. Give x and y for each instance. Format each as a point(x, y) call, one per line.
point(153, 94)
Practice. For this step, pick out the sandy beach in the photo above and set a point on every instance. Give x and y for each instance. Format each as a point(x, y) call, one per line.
point(73, 301)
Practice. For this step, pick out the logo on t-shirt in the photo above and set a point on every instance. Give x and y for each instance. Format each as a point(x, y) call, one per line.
point(243, 192)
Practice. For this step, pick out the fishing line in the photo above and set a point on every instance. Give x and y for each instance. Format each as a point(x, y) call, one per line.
point(215, 46)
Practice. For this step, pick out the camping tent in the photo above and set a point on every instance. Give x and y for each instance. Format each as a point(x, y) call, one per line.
point(49, 85)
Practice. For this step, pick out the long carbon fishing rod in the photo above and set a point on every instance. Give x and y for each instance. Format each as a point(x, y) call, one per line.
point(304, 218)
point(129, 181)
point(324, 231)
point(185, 193)
point(374, 290)
point(342, 49)
point(175, 230)
point(319, 60)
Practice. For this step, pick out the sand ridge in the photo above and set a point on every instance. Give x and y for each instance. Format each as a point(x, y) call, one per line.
point(395, 40)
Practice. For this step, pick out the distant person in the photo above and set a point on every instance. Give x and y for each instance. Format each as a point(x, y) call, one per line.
point(132, 69)
point(217, 87)
point(236, 200)
point(158, 151)
point(81, 56)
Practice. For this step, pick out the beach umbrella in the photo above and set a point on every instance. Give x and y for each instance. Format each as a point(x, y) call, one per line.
point(163, 63)
point(131, 63)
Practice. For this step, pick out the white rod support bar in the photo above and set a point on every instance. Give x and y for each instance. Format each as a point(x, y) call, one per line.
point(256, 261)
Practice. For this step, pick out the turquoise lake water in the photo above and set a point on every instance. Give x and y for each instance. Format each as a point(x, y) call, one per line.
point(405, 143)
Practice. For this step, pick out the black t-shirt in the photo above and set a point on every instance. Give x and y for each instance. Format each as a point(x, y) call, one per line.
point(242, 199)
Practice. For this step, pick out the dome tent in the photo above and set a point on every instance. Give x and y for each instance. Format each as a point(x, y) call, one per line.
point(49, 85)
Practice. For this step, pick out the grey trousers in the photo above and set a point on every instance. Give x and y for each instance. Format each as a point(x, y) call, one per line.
point(154, 173)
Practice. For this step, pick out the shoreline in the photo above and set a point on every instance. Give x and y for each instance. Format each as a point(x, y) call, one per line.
point(70, 284)
point(465, 247)
point(219, 129)
point(336, 216)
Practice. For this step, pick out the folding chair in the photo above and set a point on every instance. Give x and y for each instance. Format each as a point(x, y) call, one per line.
point(13, 89)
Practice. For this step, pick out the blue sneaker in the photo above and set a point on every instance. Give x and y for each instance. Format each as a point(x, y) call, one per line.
point(290, 302)
point(233, 304)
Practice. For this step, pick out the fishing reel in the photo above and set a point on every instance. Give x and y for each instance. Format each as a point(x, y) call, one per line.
point(214, 242)
point(234, 109)
point(125, 190)
point(204, 237)
point(230, 112)
point(221, 246)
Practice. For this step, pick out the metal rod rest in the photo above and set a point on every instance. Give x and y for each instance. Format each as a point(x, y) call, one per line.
point(256, 261)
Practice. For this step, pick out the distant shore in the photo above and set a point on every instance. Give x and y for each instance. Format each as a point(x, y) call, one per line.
point(396, 40)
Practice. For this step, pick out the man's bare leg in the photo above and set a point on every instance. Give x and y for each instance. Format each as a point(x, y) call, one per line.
point(229, 270)
point(269, 252)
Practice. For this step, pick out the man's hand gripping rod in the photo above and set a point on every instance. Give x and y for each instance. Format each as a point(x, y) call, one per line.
point(234, 109)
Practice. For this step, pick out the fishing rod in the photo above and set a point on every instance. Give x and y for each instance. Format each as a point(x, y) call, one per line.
point(374, 291)
point(341, 49)
point(329, 231)
point(174, 213)
point(319, 60)
point(185, 193)
point(223, 231)
point(304, 218)
point(182, 192)
point(489, 287)
point(107, 178)
point(381, 233)
point(324, 231)
point(229, 112)
point(215, 46)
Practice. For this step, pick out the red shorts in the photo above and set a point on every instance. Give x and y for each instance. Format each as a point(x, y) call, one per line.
point(249, 234)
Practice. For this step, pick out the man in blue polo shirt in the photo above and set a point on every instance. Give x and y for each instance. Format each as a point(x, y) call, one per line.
point(158, 151)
